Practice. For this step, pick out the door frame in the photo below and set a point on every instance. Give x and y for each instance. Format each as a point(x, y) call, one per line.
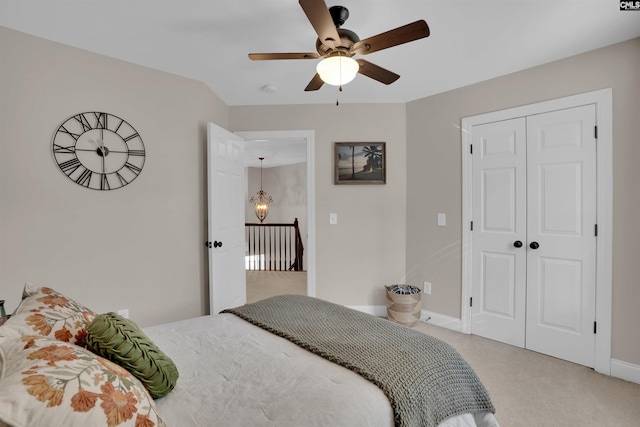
point(603, 101)
point(308, 136)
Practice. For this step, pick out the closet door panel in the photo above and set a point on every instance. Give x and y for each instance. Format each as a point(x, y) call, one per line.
point(561, 189)
point(499, 212)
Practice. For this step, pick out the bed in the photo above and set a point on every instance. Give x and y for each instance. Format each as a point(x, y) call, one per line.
point(235, 369)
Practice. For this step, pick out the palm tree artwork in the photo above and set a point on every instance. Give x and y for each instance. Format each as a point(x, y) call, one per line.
point(360, 163)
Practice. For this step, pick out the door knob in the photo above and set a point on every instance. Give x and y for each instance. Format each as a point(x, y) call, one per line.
point(217, 244)
point(517, 244)
point(534, 245)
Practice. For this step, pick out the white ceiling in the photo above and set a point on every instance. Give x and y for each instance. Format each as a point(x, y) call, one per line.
point(208, 40)
point(276, 152)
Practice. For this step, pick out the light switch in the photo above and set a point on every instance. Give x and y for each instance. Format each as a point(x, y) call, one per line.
point(333, 218)
point(427, 288)
point(442, 219)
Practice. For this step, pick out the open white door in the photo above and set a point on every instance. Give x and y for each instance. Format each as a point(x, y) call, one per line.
point(225, 160)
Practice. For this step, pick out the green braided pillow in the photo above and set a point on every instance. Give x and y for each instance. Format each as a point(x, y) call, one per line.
point(121, 341)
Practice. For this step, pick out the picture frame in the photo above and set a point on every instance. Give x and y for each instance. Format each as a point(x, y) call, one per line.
point(358, 163)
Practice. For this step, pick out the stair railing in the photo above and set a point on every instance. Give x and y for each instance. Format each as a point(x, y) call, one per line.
point(274, 247)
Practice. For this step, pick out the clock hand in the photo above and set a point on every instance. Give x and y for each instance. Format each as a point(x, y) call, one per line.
point(103, 148)
point(99, 145)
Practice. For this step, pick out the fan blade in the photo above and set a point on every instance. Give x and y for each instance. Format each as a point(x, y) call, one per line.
point(407, 33)
point(319, 16)
point(377, 73)
point(267, 56)
point(315, 83)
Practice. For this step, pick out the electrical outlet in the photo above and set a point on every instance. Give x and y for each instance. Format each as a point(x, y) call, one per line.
point(333, 218)
point(427, 288)
point(124, 313)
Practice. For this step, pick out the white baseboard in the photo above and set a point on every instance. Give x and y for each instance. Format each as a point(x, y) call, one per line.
point(441, 320)
point(625, 370)
point(376, 310)
point(425, 316)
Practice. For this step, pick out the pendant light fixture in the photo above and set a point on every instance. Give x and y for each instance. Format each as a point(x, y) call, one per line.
point(261, 203)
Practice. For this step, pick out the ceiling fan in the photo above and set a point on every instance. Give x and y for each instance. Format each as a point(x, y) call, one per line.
point(338, 45)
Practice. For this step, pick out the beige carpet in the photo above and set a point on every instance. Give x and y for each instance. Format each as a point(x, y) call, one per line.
point(264, 284)
point(531, 389)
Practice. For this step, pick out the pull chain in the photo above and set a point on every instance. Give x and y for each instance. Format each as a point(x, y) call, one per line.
point(340, 86)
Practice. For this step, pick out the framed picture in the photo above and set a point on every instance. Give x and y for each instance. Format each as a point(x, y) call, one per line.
point(360, 163)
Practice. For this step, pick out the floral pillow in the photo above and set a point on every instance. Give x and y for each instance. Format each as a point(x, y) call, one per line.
point(44, 382)
point(48, 313)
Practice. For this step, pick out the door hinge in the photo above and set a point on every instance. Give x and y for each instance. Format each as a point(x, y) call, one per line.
point(470, 148)
point(596, 230)
point(595, 132)
point(595, 327)
point(471, 225)
point(471, 302)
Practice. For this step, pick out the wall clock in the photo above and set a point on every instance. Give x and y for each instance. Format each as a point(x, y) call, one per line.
point(98, 150)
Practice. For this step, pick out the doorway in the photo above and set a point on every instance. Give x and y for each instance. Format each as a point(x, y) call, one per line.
point(289, 147)
point(507, 299)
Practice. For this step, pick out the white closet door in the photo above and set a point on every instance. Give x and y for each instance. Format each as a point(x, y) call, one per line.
point(561, 194)
point(499, 213)
point(534, 182)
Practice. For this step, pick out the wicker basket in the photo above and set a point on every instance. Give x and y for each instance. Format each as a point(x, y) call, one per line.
point(403, 308)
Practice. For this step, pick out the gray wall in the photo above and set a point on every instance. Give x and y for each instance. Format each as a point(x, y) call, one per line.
point(365, 250)
point(139, 247)
point(434, 182)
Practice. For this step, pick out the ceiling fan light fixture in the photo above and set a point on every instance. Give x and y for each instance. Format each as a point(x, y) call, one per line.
point(337, 70)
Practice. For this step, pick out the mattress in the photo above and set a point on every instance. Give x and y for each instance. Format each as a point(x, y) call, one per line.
point(233, 373)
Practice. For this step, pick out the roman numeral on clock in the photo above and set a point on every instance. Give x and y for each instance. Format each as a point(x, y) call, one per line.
point(122, 180)
point(70, 166)
point(83, 121)
point(67, 150)
point(101, 120)
point(75, 136)
point(130, 137)
point(85, 178)
point(104, 182)
point(133, 168)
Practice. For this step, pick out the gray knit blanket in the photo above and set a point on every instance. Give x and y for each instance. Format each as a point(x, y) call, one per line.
point(425, 379)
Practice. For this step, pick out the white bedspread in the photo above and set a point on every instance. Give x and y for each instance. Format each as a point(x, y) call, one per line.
point(235, 374)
